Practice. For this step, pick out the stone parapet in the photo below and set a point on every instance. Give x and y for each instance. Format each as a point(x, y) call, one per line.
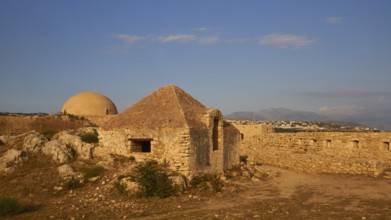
point(366, 153)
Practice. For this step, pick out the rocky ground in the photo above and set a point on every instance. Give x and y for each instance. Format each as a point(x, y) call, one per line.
point(256, 191)
point(253, 192)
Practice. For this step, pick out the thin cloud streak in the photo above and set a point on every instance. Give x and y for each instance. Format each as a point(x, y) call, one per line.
point(210, 40)
point(285, 40)
point(182, 38)
point(239, 40)
point(128, 39)
point(345, 94)
point(201, 29)
point(334, 20)
point(340, 110)
point(278, 40)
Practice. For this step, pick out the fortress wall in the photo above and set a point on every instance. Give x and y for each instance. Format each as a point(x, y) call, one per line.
point(15, 124)
point(367, 153)
point(11, 125)
point(99, 120)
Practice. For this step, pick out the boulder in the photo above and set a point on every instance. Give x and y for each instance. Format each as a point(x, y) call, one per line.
point(108, 161)
point(33, 141)
point(178, 180)
point(29, 141)
point(3, 139)
point(66, 170)
point(10, 158)
point(58, 151)
point(83, 150)
point(129, 186)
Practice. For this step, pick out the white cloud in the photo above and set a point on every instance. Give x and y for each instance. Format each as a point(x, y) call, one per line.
point(182, 38)
point(285, 40)
point(334, 20)
point(210, 40)
point(128, 39)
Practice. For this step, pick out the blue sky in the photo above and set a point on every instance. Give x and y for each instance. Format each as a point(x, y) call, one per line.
point(329, 56)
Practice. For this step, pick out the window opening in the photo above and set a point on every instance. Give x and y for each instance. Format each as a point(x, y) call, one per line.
point(143, 145)
point(386, 145)
point(327, 143)
point(215, 134)
point(355, 144)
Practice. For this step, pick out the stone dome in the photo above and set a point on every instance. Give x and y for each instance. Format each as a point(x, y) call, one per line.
point(89, 104)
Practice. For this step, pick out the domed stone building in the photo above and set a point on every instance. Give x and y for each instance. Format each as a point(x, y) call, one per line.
point(89, 104)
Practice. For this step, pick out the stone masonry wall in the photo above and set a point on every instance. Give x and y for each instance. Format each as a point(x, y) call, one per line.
point(170, 146)
point(231, 146)
point(367, 153)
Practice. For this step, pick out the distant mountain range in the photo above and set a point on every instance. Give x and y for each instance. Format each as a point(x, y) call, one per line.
point(381, 121)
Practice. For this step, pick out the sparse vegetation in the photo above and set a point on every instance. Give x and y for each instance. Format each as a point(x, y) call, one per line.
point(72, 117)
point(71, 183)
point(123, 159)
point(132, 158)
point(119, 187)
point(91, 137)
point(233, 172)
point(243, 159)
point(207, 181)
point(10, 206)
point(48, 132)
point(90, 172)
point(153, 180)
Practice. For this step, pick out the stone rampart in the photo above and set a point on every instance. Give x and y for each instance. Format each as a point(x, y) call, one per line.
point(367, 153)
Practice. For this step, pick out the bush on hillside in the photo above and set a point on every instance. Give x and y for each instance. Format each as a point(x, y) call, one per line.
point(91, 137)
point(48, 132)
point(153, 180)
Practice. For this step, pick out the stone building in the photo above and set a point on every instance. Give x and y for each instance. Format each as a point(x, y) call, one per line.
point(170, 125)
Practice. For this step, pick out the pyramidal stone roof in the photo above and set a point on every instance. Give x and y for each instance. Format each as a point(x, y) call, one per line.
point(167, 107)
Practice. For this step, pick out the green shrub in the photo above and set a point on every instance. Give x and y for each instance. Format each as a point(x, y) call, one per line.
point(48, 132)
point(132, 158)
point(71, 183)
point(10, 206)
point(207, 181)
point(153, 180)
point(89, 172)
point(234, 171)
point(89, 137)
point(119, 187)
point(243, 159)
